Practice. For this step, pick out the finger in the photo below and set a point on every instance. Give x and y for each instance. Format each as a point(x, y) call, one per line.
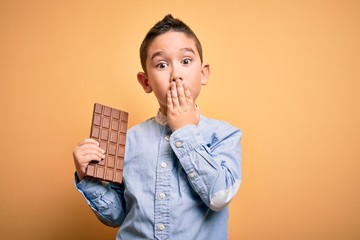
point(96, 152)
point(181, 93)
point(86, 146)
point(86, 159)
point(188, 96)
point(86, 152)
point(169, 101)
point(89, 141)
point(92, 157)
point(82, 152)
point(174, 95)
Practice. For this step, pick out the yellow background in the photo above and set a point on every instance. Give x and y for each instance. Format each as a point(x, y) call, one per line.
point(286, 72)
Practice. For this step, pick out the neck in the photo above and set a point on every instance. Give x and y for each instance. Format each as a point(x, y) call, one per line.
point(163, 110)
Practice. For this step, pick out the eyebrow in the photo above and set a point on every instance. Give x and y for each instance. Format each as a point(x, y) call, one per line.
point(161, 53)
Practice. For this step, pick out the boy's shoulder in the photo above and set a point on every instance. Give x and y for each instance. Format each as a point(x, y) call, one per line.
point(144, 124)
point(215, 130)
point(206, 122)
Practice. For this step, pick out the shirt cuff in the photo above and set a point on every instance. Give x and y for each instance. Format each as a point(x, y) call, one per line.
point(186, 139)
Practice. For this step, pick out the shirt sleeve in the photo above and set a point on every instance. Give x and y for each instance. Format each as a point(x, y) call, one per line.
point(213, 166)
point(105, 199)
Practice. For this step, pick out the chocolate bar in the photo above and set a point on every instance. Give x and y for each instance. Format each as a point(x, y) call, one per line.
point(109, 128)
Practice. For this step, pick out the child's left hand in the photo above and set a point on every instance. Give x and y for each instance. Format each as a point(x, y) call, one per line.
point(181, 109)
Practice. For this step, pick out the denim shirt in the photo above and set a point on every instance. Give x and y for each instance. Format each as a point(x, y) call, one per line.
point(176, 185)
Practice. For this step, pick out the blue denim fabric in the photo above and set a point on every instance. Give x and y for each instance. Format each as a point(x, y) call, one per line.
point(175, 185)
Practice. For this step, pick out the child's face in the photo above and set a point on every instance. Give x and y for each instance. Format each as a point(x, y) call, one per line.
point(171, 56)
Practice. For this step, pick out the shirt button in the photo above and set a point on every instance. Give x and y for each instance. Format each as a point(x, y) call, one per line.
point(192, 175)
point(167, 137)
point(162, 195)
point(178, 144)
point(161, 227)
point(163, 165)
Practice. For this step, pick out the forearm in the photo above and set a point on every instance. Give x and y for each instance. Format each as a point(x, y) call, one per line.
point(105, 200)
point(213, 169)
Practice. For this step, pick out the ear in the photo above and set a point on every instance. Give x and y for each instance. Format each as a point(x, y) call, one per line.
point(205, 73)
point(143, 80)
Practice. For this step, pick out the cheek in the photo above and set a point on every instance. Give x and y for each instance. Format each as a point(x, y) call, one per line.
point(195, 90)
point(195, 87)
point(160, 92)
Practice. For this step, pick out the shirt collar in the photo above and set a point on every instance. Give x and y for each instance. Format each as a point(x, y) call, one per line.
point(160, 118)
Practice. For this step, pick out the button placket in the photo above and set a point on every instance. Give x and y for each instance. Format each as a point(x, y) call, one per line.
point(163, 187)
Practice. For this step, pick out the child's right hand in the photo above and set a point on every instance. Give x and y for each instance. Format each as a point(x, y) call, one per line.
point(86, 151)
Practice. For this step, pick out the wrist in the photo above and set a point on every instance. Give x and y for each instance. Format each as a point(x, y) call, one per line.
point(79, 176)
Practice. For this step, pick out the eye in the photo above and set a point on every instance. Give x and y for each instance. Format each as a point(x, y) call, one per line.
point(186, 61)
point(162, 65)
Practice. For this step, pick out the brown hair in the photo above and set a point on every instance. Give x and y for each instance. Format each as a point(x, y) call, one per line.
point(168, 23)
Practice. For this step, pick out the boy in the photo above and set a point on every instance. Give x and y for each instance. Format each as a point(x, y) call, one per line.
point(181, 169)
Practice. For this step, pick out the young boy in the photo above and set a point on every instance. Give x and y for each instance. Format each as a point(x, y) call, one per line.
point(181, 169)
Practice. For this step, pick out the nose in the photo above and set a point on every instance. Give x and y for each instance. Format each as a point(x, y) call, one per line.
point(175, 74)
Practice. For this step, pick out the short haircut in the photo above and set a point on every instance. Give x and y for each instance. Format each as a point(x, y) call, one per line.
point(168, 23)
